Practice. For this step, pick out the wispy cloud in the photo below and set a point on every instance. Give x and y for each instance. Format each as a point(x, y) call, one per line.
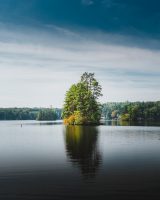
point(36, 68)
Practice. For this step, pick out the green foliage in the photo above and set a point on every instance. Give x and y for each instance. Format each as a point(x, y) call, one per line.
point(132, 111)
point(125, 117)
point(81, 101)
point(47, 114)
point(26, 113)
point(18, 113)
point(79, 118)
point(91, 84)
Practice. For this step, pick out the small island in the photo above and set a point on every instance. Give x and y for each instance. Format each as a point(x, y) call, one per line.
point(81, 105)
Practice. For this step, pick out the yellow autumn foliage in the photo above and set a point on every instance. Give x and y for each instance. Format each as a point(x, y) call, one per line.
point(70, 120)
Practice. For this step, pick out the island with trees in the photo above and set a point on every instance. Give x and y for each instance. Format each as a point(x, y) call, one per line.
point(81, 105)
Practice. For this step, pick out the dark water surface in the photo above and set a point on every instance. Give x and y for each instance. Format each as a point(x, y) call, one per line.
point(75, 162)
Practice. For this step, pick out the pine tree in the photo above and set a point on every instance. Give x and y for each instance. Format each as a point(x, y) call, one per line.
point(81, 105)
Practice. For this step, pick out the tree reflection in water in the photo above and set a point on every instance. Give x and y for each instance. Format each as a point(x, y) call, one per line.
point(82, 149)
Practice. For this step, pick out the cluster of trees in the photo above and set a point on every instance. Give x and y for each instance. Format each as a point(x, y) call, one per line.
point(18, 113)
point(132, 111)
point(30, 114)
point(47, 114)
point(81, 105)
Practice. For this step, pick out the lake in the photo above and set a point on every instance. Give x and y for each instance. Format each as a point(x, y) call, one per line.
point(53, 161)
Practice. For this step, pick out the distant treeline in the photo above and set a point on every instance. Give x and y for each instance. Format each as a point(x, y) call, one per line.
point(132, 111)
point(30, 113)
point(49, 114)
point(125, 111)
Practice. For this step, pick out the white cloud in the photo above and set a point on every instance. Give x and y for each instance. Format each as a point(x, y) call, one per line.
point(37, 68)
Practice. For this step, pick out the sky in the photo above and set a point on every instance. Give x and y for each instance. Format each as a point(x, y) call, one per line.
point(46, 45)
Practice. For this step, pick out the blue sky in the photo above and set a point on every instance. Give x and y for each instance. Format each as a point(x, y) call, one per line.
point(45, 45)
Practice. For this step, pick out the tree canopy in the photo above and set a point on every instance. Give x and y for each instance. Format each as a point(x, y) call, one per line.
point(81, 105)
point(47, 114)
point(132, 111)
point(30, 113)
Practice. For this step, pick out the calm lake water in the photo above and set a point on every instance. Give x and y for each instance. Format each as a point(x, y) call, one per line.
point(75, 162)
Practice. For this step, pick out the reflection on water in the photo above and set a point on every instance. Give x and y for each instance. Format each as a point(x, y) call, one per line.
point(104, 162)
point(130, 123)
point(82, 149)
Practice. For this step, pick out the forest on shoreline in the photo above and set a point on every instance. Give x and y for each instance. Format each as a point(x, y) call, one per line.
point(30, 114)
point(125, 111)
point(131, 111)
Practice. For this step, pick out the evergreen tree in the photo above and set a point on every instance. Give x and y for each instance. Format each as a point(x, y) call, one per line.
point(47, 114)
point(81, 106)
